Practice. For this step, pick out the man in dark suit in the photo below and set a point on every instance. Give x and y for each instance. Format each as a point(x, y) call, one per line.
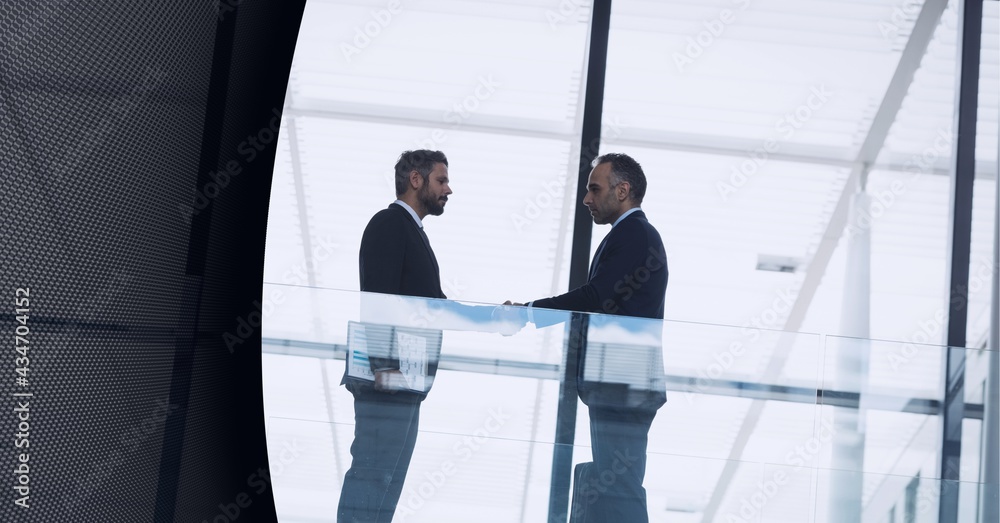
point(628, 276)
point(395, 258)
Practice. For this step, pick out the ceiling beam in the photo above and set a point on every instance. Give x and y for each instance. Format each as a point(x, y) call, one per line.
point(902, 78)
point(624, 136)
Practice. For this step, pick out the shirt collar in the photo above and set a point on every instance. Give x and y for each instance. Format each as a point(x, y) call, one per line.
point(622, 217)
point(410, 210)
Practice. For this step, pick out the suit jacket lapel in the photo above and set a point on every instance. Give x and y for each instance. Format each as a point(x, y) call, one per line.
point(427, 244)
point(597, 257)
point(423, 238)
point(600, 249)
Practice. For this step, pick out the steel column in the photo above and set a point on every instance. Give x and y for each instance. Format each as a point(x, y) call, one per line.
point(959, 253)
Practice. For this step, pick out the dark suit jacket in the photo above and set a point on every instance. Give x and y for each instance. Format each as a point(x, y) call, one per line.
point(396, 258)
point(628, 276)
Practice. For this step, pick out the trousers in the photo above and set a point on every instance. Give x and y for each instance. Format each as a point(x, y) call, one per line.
point(610, 488)
point(385, 432)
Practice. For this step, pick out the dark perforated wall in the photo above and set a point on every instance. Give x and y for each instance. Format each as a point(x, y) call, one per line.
point(112, 116)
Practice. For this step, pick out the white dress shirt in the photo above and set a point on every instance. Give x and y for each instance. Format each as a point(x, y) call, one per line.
point(411, 211)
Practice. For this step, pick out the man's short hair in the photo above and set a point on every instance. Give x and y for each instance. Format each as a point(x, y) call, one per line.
point(421, 160)
point(625, 169)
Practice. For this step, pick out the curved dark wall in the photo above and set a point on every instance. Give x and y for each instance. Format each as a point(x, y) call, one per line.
point(115, 121)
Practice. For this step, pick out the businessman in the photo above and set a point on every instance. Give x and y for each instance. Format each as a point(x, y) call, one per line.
point(628, 276)
point(395, 258)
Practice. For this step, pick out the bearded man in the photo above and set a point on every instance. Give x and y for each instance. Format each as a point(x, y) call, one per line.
point(395, 258)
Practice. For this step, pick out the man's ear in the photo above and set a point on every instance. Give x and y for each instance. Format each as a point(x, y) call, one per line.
point(623, 189)
point(416, 180)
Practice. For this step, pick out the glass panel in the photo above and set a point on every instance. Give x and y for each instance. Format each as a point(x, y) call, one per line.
point(740, 409)
point(908, 498)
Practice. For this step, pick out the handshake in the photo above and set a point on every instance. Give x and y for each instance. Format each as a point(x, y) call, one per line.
point(510, 318)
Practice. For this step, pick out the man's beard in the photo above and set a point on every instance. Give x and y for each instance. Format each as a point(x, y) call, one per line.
point(433, 205)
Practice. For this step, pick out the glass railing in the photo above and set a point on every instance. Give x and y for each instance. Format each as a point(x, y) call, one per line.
point(759, 425)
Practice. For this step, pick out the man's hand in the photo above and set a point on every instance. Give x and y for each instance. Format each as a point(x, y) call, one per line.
point(508, 302)
point(390, 381)
point(510, 320)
